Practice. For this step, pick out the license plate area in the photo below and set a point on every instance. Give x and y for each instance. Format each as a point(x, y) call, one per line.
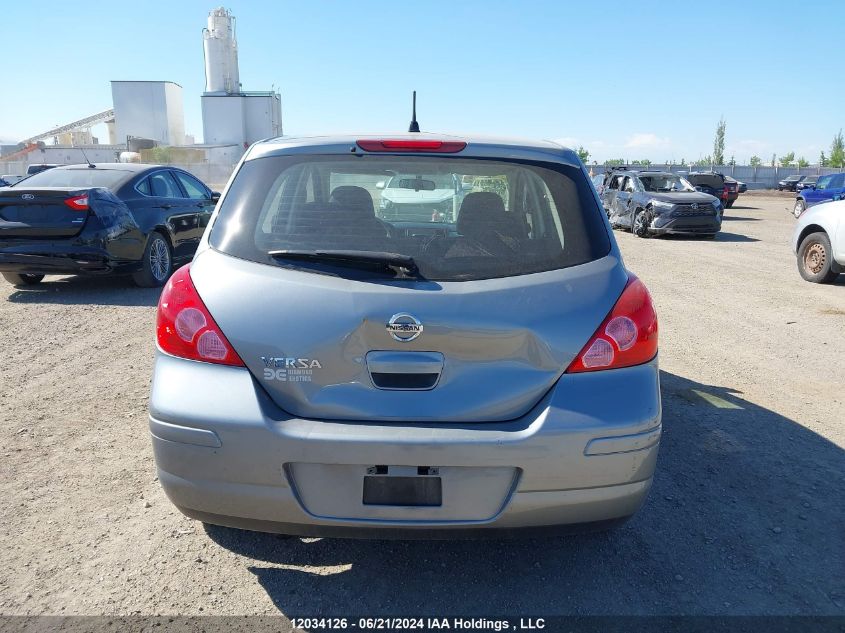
point(384, 490)
point(420, 493)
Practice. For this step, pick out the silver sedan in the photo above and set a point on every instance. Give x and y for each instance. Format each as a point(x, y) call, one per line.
point(324, 371)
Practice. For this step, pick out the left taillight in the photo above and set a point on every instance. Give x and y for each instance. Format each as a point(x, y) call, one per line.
point(78, 203)
point(627, 337)
point(185, 327)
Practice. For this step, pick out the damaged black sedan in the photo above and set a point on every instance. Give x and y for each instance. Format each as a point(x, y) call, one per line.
point(109, 218)
point(658, 203)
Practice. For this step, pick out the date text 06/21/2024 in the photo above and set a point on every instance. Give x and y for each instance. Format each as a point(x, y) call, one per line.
point(418, 623)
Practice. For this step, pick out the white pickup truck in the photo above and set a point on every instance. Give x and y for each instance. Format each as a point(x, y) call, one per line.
point(819, 242)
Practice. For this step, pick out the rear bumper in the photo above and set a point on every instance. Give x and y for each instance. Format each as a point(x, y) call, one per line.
point(229, 455)
point(703, 225)
point(60, 257)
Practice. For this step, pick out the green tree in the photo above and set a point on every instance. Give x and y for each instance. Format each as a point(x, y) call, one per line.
point(719, 143)
point(703, 162)
point(161, 155)
point(614, 162)
point(787, 159)
point(837, 151)
point(683, 162)
point(644, 162)
point(732, 161)
point(755, 161)
point(822, 159)
point(583, 154)
point(803, 162)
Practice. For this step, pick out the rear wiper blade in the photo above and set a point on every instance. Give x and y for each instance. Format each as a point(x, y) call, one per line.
point(365, 259)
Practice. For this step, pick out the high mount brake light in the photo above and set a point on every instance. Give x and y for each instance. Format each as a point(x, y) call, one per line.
point(185, 327)
point(403, 145)
point(627, 337)
point(78, 203)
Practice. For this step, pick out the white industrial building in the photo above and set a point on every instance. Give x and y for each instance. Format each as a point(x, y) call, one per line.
point(230, 115)
point(149, 110)
point(148, 113)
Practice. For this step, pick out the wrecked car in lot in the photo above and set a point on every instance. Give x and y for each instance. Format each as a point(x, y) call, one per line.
point(109, 218)
point(371, 377)
point(659, 203)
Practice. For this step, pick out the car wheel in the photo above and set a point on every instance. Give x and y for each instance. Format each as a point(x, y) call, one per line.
point(814, 259)
point(639, 226)
point(21, 280)
point(799, 208)
point(156, 265)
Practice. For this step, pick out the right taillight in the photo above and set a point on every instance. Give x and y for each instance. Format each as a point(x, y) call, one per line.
point(628, 336)
point(78, 203)
point(185, 328)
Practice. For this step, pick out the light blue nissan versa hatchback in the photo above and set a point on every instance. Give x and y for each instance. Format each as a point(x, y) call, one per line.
point(468, 366)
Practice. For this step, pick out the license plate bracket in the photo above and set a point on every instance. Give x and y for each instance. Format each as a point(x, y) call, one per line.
point(385, 490)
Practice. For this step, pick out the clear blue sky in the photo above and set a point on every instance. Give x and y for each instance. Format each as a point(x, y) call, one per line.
point(633, 80)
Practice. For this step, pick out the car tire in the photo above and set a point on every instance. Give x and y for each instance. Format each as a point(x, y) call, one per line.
point(21, 280)
point(799, 208)
point(815, 262)
point(157, 263)
point(639, 225)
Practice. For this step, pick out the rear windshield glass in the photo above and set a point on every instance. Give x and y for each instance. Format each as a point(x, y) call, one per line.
point(665, 183)
point(459, 219)
point(707, 180)
point(83, 177)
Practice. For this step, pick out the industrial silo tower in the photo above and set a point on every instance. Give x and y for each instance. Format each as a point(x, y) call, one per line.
point(230, 115)
point(221, 53)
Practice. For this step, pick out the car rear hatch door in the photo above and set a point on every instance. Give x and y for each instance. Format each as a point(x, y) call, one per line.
point(487, 350)
point(45, 213)
point(708, 184)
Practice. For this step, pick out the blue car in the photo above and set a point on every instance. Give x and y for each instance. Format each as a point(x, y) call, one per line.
point(827, 188)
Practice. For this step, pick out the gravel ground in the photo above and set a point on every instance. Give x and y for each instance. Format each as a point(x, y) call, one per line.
point(746, 516)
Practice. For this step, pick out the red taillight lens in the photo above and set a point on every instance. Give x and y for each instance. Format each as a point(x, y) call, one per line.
point(78, 203)
point(402, 145)
point(628, 336)
point(185, 328)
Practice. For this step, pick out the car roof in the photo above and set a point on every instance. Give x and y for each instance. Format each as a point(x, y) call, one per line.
point(131, 167)
point(656, 172)
point(641, 172)
point(477, 146)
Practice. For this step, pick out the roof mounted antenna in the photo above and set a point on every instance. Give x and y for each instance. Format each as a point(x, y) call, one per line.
point(414, 127)
point(90, 164)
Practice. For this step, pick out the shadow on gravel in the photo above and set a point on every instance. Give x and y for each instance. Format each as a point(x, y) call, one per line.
point(116, 291)
point(724, 236)
point(745, 517)
point(721, 236)
point(735, 218)
point(738, 207)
